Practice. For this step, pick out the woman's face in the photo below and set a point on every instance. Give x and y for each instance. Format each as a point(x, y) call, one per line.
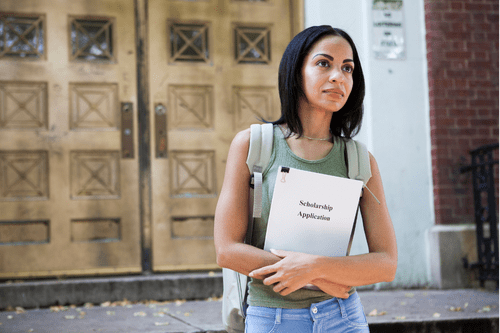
point(327, 74)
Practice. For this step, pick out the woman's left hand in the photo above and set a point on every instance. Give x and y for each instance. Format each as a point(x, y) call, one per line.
point(292, 272)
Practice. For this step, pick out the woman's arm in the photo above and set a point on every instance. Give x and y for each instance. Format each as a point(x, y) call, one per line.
point(231, 214)
point(295, 270)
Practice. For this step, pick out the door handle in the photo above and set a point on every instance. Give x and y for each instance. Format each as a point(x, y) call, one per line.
point(160, 130)
point(127, 132)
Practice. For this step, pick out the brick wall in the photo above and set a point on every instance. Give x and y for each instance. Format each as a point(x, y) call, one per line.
point(462, 55)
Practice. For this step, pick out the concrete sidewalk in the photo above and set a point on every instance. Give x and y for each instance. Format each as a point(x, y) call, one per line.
point(465, 310)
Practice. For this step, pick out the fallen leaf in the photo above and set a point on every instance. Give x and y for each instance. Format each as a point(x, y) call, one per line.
point(88, 305)
point(436, 315)
point(403, 303)
point(400, 318)
point(187, 314)
point(179, 302)
point(162, 324)
point(159, 314)
point(457, 309)
point(10, 317)
point(31, 330)
point(69, 317)
point(110, 313)
point(409, 295)
point(374, 313)
point(19, 310)
point(140, 314)
point(106, 304)
point(466, 305)
point(484, 309)
point(211, 273)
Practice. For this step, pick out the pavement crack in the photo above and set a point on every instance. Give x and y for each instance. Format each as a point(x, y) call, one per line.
point(185, 322)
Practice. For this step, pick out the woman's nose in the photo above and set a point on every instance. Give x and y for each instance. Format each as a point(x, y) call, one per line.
point(336, 75)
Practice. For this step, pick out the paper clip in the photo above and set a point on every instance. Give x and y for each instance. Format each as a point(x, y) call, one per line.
point(284, 171)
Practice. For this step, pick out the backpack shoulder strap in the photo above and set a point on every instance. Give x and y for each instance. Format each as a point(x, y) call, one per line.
point(259, 154)
point(358, 161)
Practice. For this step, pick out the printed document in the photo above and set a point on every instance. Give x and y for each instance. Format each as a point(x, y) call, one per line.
point(312, 213)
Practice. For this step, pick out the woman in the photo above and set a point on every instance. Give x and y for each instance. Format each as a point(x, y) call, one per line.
point(321, 89)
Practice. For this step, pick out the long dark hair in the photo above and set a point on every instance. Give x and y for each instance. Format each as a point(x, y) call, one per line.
point(347, 121)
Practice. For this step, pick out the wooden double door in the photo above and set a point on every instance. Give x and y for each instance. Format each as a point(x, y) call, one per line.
point(115, 122)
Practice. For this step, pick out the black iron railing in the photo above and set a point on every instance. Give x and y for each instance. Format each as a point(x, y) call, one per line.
point(483, 183)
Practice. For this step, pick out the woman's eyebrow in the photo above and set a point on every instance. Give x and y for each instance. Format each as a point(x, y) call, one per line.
point(329, 57)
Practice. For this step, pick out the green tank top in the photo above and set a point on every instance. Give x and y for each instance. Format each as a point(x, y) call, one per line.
point(332, 164)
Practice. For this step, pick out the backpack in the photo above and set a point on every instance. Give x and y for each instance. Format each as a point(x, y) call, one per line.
point(235, 285)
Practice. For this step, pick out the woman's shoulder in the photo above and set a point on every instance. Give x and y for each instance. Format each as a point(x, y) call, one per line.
point(242, 139)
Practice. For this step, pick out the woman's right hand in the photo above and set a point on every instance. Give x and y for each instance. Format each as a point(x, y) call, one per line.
point(333, 289)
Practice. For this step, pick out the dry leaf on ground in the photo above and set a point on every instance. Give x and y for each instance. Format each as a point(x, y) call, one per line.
point(400, 318)
point(179, 302)
point(162, 324)
point(484, 309)
point(140, 314)
point(374, 313)
point(457, 309)
point(436, 315)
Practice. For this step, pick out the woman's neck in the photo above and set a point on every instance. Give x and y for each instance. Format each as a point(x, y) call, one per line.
point(315, 123)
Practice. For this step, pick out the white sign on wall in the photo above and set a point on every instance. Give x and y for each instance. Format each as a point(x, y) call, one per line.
point(388, 29)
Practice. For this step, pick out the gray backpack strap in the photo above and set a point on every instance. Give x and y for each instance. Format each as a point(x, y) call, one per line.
point(359, 163)
point(259, 153)
point(358, 167)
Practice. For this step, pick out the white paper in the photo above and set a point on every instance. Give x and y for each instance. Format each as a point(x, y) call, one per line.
point(312, 213)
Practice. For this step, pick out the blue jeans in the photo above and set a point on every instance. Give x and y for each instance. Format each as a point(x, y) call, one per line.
point(333, 315)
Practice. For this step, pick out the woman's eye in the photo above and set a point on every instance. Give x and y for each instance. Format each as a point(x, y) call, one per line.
point(348, 68)
point(323, 63)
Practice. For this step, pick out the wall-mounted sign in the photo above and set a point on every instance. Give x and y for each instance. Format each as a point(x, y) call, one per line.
point(388, 29)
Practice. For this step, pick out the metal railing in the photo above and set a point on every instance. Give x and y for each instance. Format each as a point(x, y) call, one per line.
point(483, 183)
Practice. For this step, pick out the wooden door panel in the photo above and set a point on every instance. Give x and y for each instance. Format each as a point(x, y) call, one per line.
point(68, 200)
point(213, 65)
